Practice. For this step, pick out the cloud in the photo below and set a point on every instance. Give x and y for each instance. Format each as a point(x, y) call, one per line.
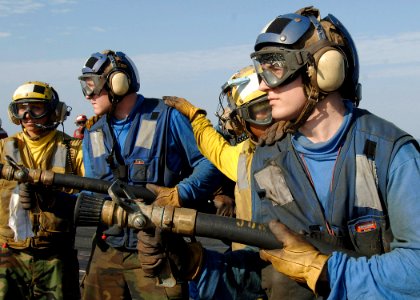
point(98, 29)
point(394, 56)
point(402, 48)
point(4, 34)
point(194, 63)
point(14, 7)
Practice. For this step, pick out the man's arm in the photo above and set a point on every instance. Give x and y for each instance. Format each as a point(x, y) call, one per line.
point(394, 275)
point(205, 178)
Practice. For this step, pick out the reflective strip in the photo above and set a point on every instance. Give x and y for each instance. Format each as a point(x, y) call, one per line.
point(366, 184)
point(242, 172)
point(277, 191)
point(60, 157)
point(11, 149)
point(146, 134)
point(97, 143)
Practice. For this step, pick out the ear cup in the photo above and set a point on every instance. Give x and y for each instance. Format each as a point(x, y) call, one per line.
point(330, 69)
point(12, 118)
point(61, 112)
point(119, 83)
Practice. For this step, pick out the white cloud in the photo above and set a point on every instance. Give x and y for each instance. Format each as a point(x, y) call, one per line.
point(12, 7)
point(98, 29)
point(398, 49)
point(4, 34)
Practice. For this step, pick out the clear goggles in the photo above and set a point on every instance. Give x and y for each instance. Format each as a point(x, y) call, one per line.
point(35, 110)
point(275, 67)
point(92, 84)
point(256, 112)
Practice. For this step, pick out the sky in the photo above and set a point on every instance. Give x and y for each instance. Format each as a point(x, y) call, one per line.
point(189, 48)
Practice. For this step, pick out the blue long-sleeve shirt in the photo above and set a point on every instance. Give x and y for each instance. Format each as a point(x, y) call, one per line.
point(394, 275)
point(181, 149)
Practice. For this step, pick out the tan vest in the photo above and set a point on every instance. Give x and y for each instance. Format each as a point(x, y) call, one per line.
point(243, 188)
point(53, 223)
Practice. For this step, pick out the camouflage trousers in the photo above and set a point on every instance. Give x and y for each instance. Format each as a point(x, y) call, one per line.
point(115, 274)
point(39, 274)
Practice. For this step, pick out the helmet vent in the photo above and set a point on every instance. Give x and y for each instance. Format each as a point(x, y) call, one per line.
point(91, 62)
point(278, 25)
point(39, 89)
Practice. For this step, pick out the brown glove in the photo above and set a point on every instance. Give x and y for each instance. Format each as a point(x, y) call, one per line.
point(27, 195)
point(183, 106)
point(164, 195)
point(195, 262)
point(298, 259)
point(151, 251)
point(272, 134)
point(225, 205)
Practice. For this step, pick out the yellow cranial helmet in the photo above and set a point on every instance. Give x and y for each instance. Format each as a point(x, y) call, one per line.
point(246, 104)
point(36, 92)
point(243, 87)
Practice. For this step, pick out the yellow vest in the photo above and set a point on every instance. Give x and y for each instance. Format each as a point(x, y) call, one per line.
point(233, 161)
point(52, 224)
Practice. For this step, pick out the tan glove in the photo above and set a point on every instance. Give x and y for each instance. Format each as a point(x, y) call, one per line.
point(225, 206)
point(183, 106)
point(298, 259)
point(164, 195)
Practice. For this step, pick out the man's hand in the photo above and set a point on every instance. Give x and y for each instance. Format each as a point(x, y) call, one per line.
point(183, 106)
point(27, 195)
point(151, 251)
point(298, 259)
point(225, 206)
point(164, 195)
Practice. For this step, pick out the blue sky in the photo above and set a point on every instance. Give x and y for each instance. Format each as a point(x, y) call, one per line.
point(190, 48)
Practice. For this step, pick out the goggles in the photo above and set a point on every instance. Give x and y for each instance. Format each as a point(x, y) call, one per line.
point(256, 112)
point(35, 110)
point(276, 66)
point(92, 84)
point(80, 123)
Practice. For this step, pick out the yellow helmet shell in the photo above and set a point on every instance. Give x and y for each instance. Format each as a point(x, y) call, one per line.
point(247, 91)
point(34, 91)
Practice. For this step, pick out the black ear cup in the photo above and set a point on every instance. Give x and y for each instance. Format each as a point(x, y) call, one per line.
point(12, 118)
point(61, 112)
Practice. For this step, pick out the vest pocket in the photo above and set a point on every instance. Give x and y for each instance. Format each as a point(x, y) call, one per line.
point(143, 171)
point(51, 223)
point(367, 234)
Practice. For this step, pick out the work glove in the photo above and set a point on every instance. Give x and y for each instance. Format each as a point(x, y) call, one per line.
point(27, 195)
point(225, 205)
point(195, 253)
point(298, 259)
point(164, 195)
point(272, 134)
point(183, 106)
point(151, 252)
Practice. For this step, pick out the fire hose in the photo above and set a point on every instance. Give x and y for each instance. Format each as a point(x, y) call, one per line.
point(130, 207)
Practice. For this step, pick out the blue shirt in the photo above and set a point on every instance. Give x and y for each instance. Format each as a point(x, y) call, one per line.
point(394, 275)
point(205, 178)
